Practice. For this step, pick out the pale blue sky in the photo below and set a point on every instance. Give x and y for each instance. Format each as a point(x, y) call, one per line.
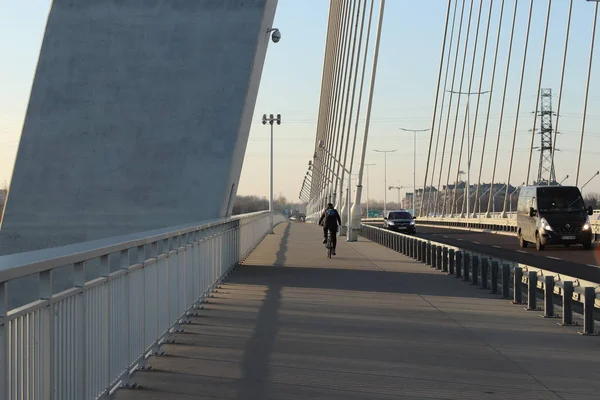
point(404, 92)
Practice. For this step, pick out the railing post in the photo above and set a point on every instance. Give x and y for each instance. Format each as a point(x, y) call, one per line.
point(505, 281)
point(458, 266)
point(445, 259)
point(549, 297)
point(589, 298)
point(4, 363)
point(518, 282)
point(428, 257)
point(47, 368)
point(567, 303)
point(466, 264)
point(474, 270)
point(531, 289)
point(439, 259)
point(423, 252)
point(484, 272)
point(495, 267)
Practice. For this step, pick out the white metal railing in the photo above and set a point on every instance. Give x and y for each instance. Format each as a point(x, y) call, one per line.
point(85, 342)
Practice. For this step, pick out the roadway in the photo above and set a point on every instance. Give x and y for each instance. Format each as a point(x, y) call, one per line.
point(573, 261)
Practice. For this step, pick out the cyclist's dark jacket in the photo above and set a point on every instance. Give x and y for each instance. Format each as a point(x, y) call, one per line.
point(332, 219)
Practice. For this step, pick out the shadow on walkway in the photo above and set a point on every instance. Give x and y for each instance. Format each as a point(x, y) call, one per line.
point(255, 363)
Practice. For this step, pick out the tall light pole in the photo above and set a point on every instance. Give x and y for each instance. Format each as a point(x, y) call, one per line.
point(398, 189)
point(467, 194)
point(271, 119)
point(414, 131)
point(385, 177)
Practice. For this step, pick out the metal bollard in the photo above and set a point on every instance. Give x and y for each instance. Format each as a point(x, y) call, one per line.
point(439, 259)
point(505, 281)
point(427, 257)
point(518, 281)
point(495, 266)
point(474, 270)
point(484, 272)
point(531, 289)
point(445, 259)
point(433, 256)
point(423, 252)
point(549, 297)
point(459, 263)
point(451, 261)
point(567, 303)
point(466, 264)
point(589, 298)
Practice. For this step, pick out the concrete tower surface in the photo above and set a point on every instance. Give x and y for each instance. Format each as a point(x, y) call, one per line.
point(138, 118)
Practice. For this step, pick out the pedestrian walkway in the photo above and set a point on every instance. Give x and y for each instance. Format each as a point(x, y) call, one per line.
point(367, 324)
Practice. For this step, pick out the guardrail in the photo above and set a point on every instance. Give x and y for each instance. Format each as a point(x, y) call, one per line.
point(491, 225)
point(500, 276)
point(86, 341)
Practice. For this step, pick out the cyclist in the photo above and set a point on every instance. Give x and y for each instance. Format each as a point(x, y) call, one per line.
point(330, 220)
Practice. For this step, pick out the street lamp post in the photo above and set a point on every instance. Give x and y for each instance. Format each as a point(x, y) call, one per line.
point(593, 176)
point(560, 183)
point(468, 197)
point(271, 119)
point(414, 131)
point(385, 177)
point(398, 189)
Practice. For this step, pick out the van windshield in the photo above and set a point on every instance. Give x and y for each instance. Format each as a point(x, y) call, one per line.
point(399, 215)
point(559, 199)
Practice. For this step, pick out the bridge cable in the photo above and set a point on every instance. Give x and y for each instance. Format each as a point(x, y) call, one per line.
point(537, 100)
point(510, 48)
point(475, 119)
point(362, 78)
point(467, 112)
point(332, 106)
point(460, 85)
point(358, 56)
point(343, 105)
point(523, 64)
point(370, 100)
point(560, 91)
point(339, 99)
point(492, 82)
point(587, 92)
point(458, 42)
point(435, 108)
point(324, 86)
point(436, 200)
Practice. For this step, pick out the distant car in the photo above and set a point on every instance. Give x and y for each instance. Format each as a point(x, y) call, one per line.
point(399, 221)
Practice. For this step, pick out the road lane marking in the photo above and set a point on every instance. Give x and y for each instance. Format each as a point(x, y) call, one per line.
point(498, 247)
point(592, 265)
point(476, 242)
point(459, 239)
point(446, 237)
point(554, 258)
point(521, 251)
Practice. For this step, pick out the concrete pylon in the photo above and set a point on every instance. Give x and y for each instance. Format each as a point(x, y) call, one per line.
point(138, 118)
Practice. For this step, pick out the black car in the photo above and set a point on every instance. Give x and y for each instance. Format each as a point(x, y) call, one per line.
point(399, 221)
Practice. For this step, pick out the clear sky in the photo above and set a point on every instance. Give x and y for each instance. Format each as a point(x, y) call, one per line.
point(404, 91)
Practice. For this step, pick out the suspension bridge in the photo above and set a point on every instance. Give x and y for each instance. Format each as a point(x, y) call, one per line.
point(124, 275)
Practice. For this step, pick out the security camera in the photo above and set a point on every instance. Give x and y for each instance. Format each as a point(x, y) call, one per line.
point(276, 35)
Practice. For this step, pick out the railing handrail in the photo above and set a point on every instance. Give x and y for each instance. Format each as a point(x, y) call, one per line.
point(18, 265)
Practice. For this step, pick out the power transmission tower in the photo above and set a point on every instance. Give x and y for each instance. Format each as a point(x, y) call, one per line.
point(546, 169)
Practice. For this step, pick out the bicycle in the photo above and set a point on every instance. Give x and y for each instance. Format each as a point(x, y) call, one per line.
point(329, 244)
